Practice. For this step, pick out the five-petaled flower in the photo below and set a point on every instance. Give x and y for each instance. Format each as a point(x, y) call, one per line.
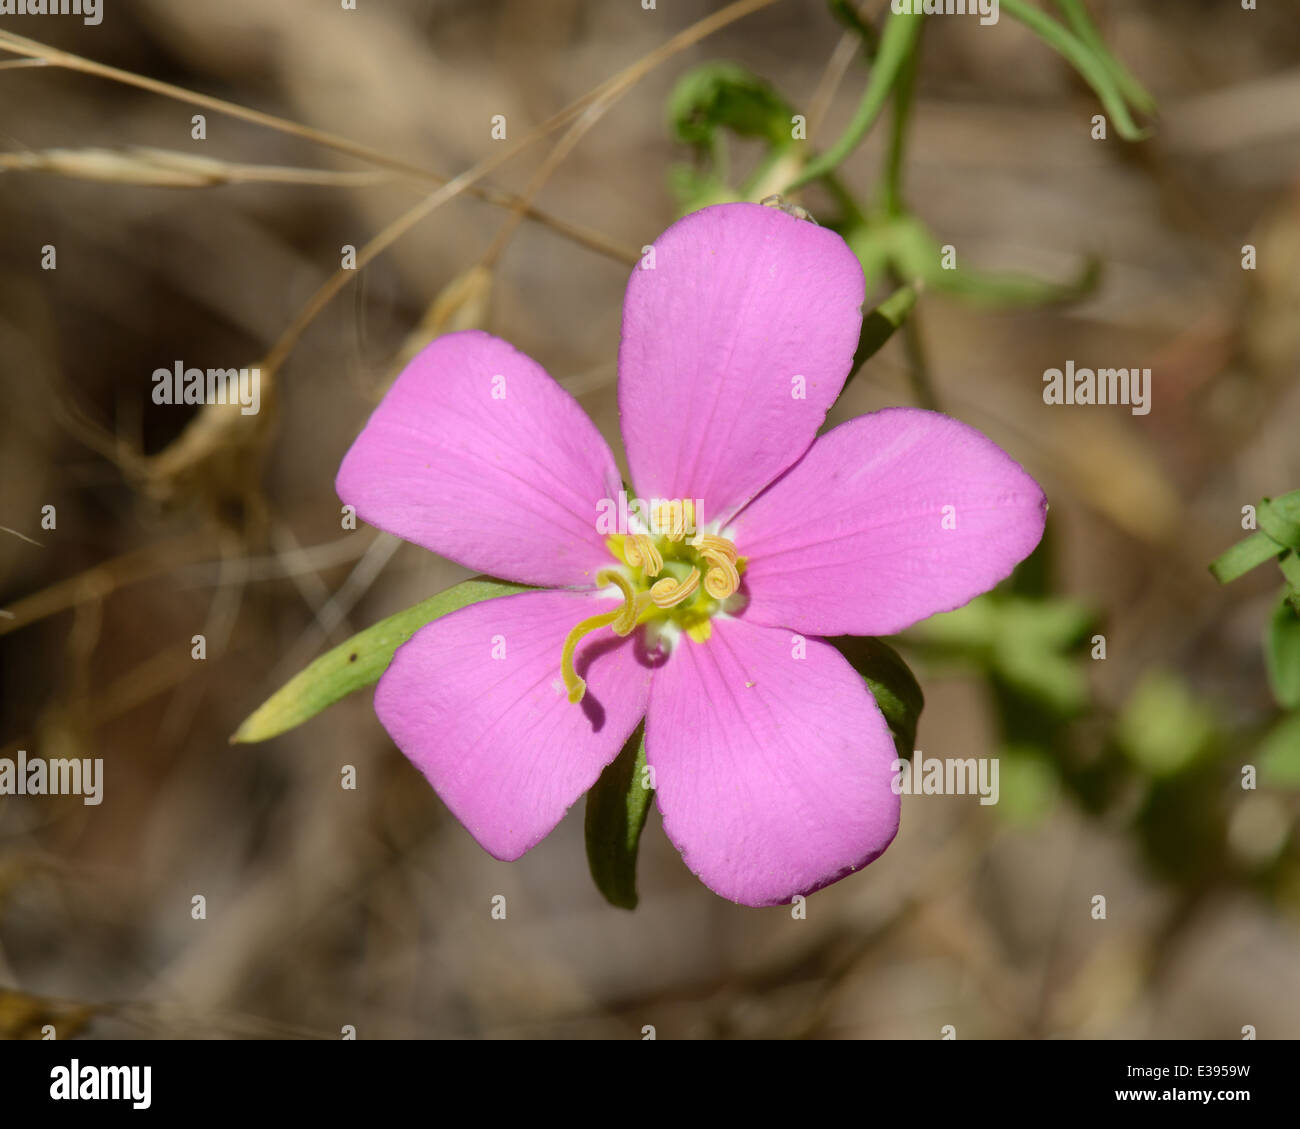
point(771, 760)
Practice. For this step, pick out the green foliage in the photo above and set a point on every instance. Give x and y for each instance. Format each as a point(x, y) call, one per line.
point(1118, 91)
point(719, 96)
point(891, 683)
point(902, 245)
point(1278, 538)
point(1024, 641)
point(617, 807)
point(360, 661)
point(1282, 654)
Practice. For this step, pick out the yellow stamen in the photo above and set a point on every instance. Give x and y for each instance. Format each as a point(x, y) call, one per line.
point(722, 579)
point(669, 592)
point(707, 541)
point(639, 551)
point(673, 519)
point(706, 560)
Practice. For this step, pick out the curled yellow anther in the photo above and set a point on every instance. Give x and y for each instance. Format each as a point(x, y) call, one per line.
point(723, 578)
point(705, 542)
point(669, 592)
point(639, 551)
point(675, 518)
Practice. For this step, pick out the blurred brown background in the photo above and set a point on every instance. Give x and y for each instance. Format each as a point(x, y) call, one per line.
point(328, 907)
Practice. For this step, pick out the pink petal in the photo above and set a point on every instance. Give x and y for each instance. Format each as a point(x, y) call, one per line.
point(478, 455)
point(497, 737)
point(853, 540)
point(773, 772)
point(741, 300)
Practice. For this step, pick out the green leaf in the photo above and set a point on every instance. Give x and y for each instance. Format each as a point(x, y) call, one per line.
point(1282, 655)
point(729, 96)
point(1002, 289)
point(1279, 520)
point(1025, 640)
point(891, 683)
point(1095, 69)
point(360, 661)
point(879, 325)
point(916, 253)
point(1076, 15)
point(1279, 753)
point(1289, 563)
point(617, 806)
point(1243, 556)
point(1279, 530)
point(904, 244)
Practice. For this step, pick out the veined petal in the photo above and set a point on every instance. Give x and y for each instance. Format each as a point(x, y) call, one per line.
point(478, 455)
point(889, 518)
point(475, 700)
point(734, 346)
point(773, 771)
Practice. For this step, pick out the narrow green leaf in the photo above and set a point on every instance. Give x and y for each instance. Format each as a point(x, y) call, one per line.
point(1282, 655)
point(1003, 289)
point(1076, 15)
point(1243, 556)
point(617, 806)
point(891, 683)
point(1094, 70)
point(360, 661)
point(1280, 522)
point(918, 254)
point(879, 325)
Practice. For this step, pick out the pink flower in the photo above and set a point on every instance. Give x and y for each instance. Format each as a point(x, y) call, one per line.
point(772, 763)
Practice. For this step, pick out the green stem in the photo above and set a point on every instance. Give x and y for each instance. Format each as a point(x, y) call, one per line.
point(904, 98)
point(896, 45)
